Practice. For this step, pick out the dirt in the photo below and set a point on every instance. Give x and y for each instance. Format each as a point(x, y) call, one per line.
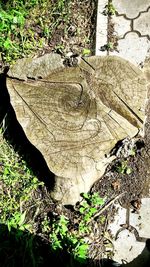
point(132, 181)
point(79, 33)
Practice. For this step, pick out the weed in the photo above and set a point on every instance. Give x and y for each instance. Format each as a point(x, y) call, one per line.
point(89, 206)
point(132, 152)
point(18, 221)
point(17, 183)
point(61, 238)
point(123, 168)
point(64, 235)
point(86, 52)
point(59, 49)
point(17, 187)
point(107, 47)
point(19, 36)
point(109, 9)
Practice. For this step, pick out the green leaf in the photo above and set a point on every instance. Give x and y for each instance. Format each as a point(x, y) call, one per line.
point(63, 220)
point(22, 218)
point(100, 201)
point(6, 171)
point(87, 217)
point(9, 226)
point(81, 252)
point(83, 247)
point(84, 204)
point(7, 43)
point(82, 210)
point(93, 210)
point(85, 195)
point(64, 229)
point(86, 52)
point(128, 170)
point(15, 20)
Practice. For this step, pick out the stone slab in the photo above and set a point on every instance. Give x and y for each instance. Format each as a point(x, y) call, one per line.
point(119, 219)
point(131, 9)
point(126, 248)
point(126, 239)
point(142, 24)
point(141, 220)
point(132, 29)
point(133, 48)
point(101, 28)
point(121, 26)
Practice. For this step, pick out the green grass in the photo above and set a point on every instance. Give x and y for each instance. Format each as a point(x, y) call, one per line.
point(27, 26)
point(24, 218)
point(17, 187)
point(17, 191)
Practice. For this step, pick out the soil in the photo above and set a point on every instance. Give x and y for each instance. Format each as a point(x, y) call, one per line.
point(80, 31)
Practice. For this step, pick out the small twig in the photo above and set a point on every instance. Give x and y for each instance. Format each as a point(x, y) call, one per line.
point(107, 205)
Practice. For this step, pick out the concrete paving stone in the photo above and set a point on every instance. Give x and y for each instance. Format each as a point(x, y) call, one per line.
point(136, 49)
point(121, 26)
point(131, 8)
point(141, 221)
point(119, 219)
point(126, 248)
point(133, 48)
point(101, 28)
point(142, 24)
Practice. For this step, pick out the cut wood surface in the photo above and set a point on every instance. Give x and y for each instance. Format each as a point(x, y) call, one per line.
point(75, 115)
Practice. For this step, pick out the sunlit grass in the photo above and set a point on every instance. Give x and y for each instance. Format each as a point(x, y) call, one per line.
point(17, 186)
point(27, 26)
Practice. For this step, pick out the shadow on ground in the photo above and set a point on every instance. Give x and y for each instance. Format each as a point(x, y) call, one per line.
point(20, 248)
point(15, 135)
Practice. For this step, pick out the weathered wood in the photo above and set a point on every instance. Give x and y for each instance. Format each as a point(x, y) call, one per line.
point(75, 116)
